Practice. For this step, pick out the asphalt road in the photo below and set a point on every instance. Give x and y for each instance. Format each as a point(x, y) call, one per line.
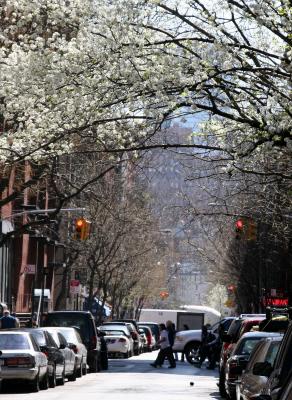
point(132, 379)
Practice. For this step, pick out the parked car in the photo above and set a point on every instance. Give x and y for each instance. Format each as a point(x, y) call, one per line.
point(282, 368)
point(118, 339)
point(189, 341)
point(154, 329)
point(22, 360)
point(237, 328)
point(75, 343)
point(85, 322)
point(284, 394)
point(70, 370)
point(134, 333)
point(239, 359)
point(56, 360)
point(255, 375)
point(151, 342)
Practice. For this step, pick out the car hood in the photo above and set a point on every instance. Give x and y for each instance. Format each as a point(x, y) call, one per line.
point(190, 332)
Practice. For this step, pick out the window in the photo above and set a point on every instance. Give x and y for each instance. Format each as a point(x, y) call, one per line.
point(39, 337)
point(272, 352)
point(247, 345)
point(13, 341)
point(34, 343)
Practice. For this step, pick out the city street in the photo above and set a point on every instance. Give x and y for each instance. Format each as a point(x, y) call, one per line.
point(132, 379)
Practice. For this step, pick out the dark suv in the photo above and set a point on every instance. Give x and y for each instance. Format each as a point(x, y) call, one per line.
point(85, 322)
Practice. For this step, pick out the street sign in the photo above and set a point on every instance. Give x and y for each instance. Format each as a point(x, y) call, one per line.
point(75, 286)
point(29, 269)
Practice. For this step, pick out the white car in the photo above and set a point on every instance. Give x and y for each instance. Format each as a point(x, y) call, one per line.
point(119, 341)
point(189, 341)
point(22, 360)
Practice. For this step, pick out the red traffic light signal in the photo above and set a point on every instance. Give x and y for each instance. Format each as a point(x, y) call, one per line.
point(239, 228)
point(239, 225)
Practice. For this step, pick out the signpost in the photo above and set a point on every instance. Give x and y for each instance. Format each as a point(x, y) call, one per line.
point(75, 286)
point(29, 269)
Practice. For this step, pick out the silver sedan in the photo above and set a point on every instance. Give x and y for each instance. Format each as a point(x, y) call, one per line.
point(22, 360)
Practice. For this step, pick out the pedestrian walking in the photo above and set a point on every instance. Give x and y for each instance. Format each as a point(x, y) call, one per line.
point(165, 349)
point(206, 347)
point(8, 321)
point(186, 328)
point(170, 326)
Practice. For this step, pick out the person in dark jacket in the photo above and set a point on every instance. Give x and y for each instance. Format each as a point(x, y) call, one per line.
point(206, 347)
point(170, 326)
point(8, 321)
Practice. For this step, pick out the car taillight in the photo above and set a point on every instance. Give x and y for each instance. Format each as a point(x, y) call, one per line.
point(233, 370)
point(149, 339)
point(74, 348)
point(23, 362)
point(93, 342)
point(122, 340)
point(134, 335)
point(46, 353)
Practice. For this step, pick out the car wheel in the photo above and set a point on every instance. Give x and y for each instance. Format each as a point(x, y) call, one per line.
point(84, 369)
point(35, 385)
point(136, 352)
point(73, 376)
point(52, 380)
point(126, 355)
point(61, 381)
point(80, 370)
point(221, 385)
point(104, 362)
point(44, 385)
point(191, 352)
point(93, 367)
point(99, 363)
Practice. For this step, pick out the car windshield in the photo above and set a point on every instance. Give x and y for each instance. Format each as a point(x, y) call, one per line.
point(145, 329)
point(55, 336)
point(115, 328)
point(11, 341)
point(68, 320)
point(69, 335)
point(39, 337)
point(234, 327)
point(247, 345)
point(114, 333)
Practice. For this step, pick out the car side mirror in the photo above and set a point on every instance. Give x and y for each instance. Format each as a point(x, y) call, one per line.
point(262, 369)
point(44, 348)
point(62, 346)
point(226, 338)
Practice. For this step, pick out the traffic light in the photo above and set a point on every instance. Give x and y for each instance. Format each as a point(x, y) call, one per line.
point(163, 294)
point(239, 228)
point(82, 229)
